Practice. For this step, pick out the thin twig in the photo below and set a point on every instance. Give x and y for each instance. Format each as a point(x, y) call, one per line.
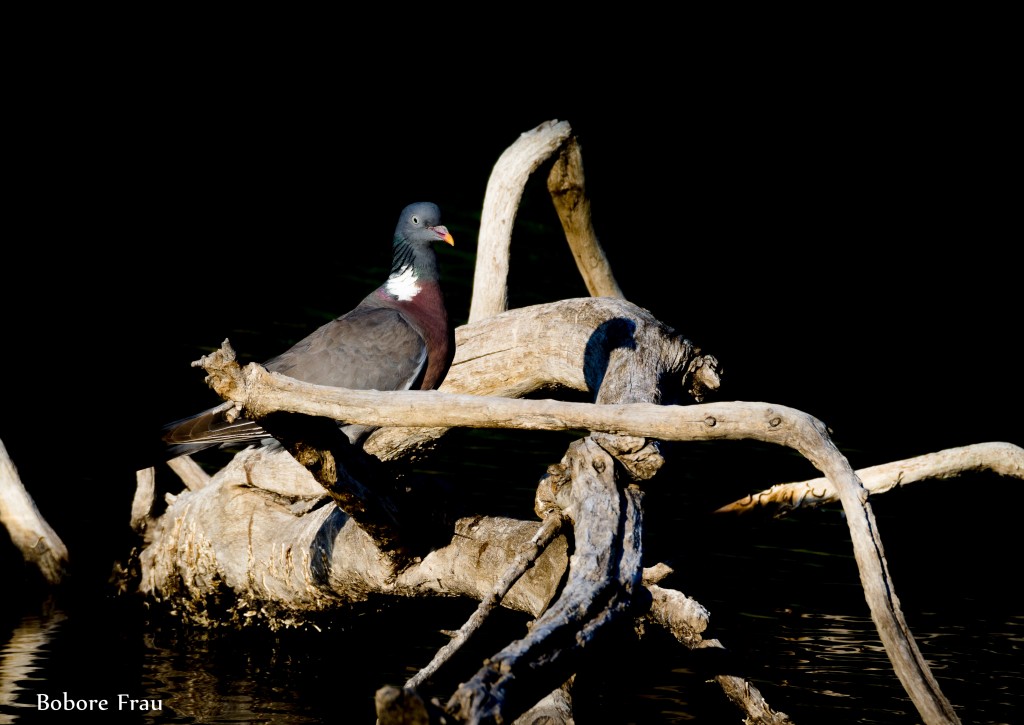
point(550, 527)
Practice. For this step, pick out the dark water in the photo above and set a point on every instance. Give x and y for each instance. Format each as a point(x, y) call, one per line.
point(865, 282)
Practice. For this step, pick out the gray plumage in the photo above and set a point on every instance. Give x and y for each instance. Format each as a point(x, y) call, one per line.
point(397, 338)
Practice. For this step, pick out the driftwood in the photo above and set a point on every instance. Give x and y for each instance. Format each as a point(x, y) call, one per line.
point(38, 543)
point(284, 533)
point(1004, 459)
point(278, 545)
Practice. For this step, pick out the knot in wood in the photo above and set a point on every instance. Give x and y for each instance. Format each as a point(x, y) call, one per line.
point(639, 456)
point(775, 422)
point(545, 501)
point(703, 375)
point(710, 421)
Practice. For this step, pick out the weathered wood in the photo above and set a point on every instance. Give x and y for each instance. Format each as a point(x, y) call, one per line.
point(38, 543)
point(605, 570)
point(735, 421)
point(190, 473)
point(718, 421)
point(568, 191)
point(284, 543)
point(749, 698)
point(523, 561)
point(564, 345)
point(634, 367)
point(285, 556)
point(142, 502)
point(501, 203)
point(1003, 459)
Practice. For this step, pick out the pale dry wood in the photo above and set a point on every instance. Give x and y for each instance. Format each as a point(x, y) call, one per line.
point(501, 203)
point(523, 561)
point(38, 543)
point(567, 186)
point(190, 472)
point(762, 422)
point(749, 698)
point(554, 709)
point(402, 706)
point(1003, 459)
point(504, 191)
point(142, 501)
point(604, 572)
point(543, 347)
point(564, 345)
point(616, 362)
point(270, 546)
point(686, 619)
point(683, 617)
point(716, 421)
point(656, 573)
point(615, 349)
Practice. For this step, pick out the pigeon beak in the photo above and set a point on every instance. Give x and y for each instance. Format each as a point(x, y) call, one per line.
point(445, 236)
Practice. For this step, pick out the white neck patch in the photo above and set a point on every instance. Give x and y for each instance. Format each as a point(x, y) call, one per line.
point(402, 284)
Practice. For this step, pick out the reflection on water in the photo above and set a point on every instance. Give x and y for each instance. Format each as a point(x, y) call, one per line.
point(23, 660)
point(834, 663)
point(817, 667)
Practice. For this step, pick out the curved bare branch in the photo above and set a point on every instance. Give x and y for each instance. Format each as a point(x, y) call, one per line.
point(1004, 459)
point(501, 203)
point(568, 192)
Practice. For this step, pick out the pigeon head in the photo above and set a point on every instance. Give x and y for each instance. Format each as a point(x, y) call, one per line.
point(420, 224)
point(419, 227)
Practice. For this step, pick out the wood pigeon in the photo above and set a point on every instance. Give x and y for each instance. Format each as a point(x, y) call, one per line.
point(397, 338)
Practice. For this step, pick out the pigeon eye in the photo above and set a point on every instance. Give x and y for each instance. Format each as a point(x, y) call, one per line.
point(415, 220)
